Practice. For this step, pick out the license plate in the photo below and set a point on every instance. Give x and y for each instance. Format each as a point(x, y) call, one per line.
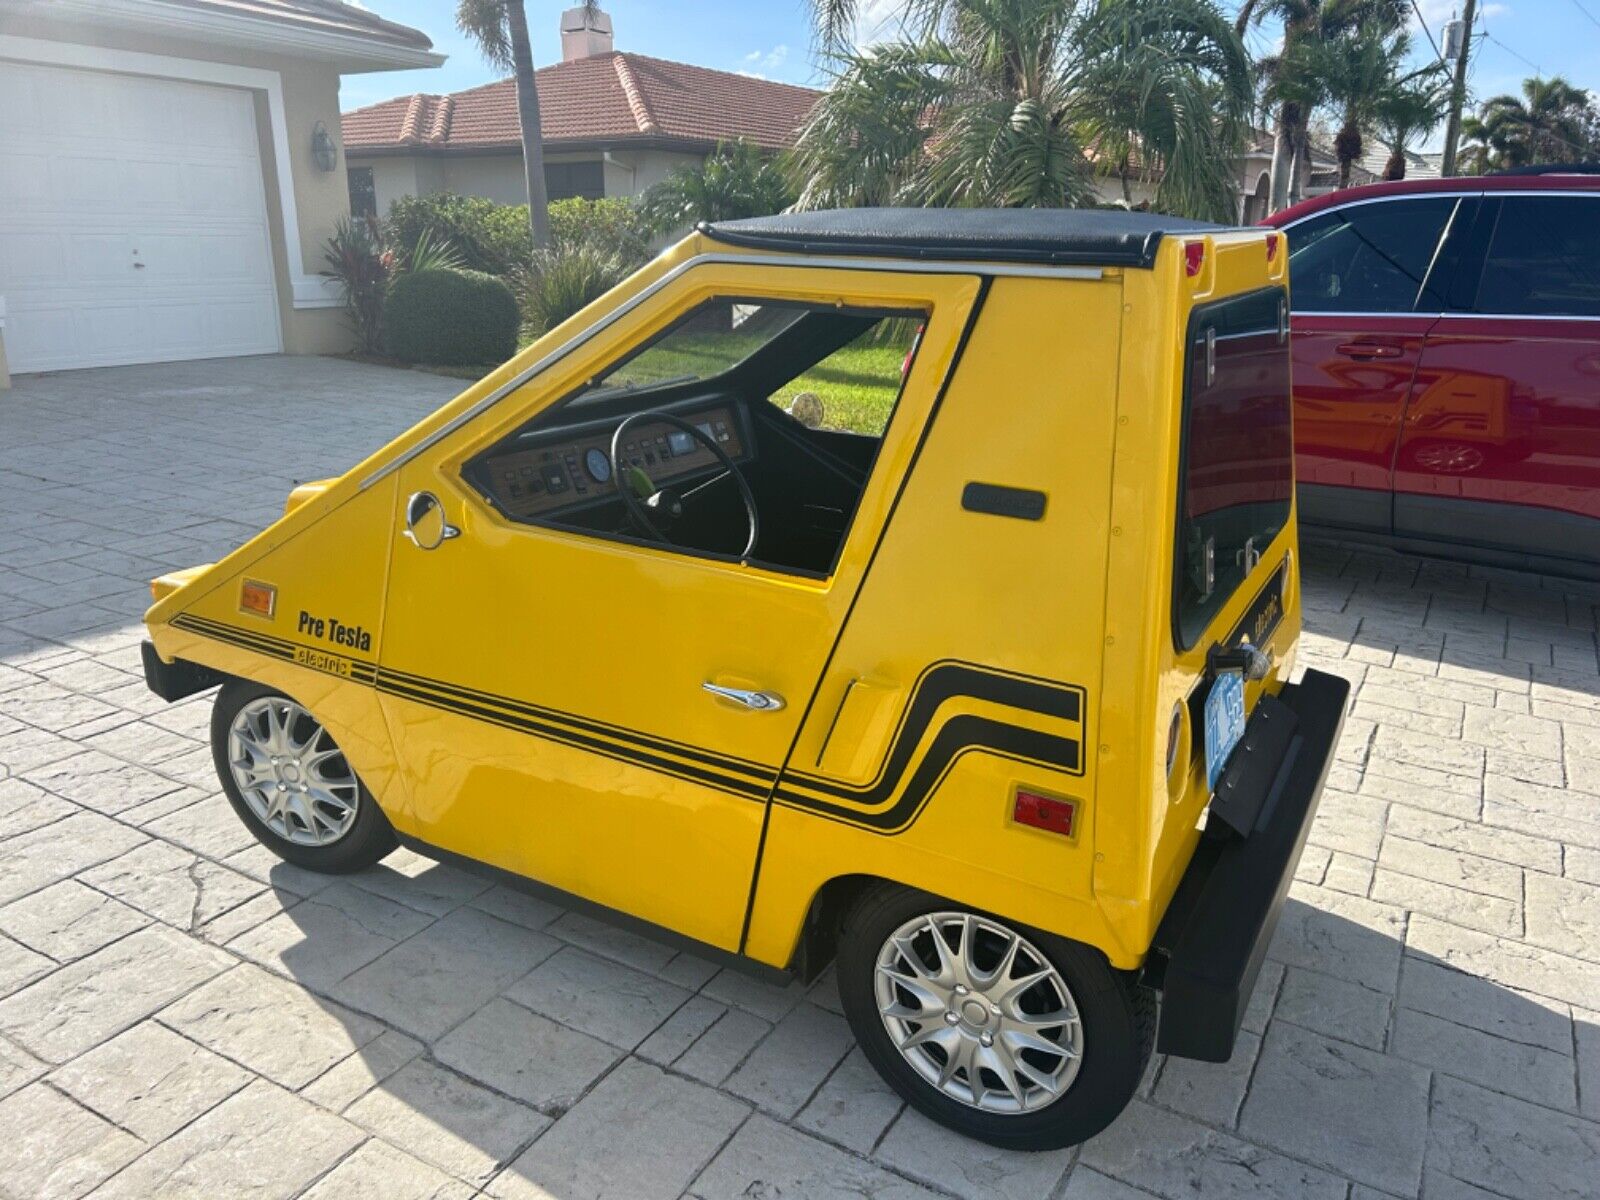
point(1224, 723)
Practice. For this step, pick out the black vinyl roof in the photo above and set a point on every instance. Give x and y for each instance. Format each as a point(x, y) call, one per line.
point(1062, 236)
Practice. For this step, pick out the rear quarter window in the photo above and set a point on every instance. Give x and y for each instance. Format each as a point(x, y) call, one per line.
point(1237, 473)
point(1544, 258)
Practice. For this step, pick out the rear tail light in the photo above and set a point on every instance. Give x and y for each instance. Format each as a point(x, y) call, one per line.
point(1272, 246)
point(1194, 257)
point(1046, 813)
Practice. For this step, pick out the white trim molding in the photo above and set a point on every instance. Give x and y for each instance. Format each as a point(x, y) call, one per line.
point(317, 291)
point(307, 290)
point(351, 51)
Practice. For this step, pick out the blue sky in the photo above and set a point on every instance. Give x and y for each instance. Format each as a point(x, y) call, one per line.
point(771, 38)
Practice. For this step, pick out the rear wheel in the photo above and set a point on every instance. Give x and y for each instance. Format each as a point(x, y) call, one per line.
point(291, 784)
point(1003, 1033)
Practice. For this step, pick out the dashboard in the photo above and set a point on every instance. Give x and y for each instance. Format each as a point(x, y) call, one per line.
point(564, 468)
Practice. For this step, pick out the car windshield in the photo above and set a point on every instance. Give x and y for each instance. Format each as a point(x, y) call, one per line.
point(712, 340)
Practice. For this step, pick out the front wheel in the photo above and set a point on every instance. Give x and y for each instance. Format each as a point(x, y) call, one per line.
point(1005, 1034)
point(291, 784)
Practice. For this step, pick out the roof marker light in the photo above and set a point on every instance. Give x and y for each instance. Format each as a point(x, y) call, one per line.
point(1194, 257)
point(1272, 246)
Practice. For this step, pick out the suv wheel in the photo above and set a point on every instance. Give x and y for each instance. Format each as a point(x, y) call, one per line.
point(1003, 1033)
point(291, 784)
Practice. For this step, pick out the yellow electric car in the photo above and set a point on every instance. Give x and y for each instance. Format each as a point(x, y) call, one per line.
point(911, 590)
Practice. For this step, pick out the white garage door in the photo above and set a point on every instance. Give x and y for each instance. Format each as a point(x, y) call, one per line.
point(133, 224)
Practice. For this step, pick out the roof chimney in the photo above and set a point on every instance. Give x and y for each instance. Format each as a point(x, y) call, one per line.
point(584, 35)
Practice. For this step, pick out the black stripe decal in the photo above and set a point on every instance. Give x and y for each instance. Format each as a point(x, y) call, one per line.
point(620, 753)
point(938, 684)
point(450, 693)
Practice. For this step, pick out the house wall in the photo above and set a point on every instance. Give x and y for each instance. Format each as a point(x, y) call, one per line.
point(311, 316)
point(499, 177)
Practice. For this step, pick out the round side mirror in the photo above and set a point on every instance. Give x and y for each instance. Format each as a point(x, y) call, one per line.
point(425, 523)
point(807, 408)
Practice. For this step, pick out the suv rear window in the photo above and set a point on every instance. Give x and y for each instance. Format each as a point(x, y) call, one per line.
point(1238, 469)
point(1366, 258)
point(1544, 259)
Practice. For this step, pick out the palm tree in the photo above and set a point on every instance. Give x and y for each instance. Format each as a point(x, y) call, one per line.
point(1018, 102)
point(1358, 69)
point(1296, 84)
point(1550, 122)
point(736, 180)
point(1410, 110)
point(500, 28)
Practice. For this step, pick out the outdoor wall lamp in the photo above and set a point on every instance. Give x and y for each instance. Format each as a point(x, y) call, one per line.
point(323, 150)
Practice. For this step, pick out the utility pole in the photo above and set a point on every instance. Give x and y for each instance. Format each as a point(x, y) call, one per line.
point(1458, 91)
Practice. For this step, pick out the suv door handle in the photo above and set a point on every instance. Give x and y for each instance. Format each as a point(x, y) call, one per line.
point(758, 701)
point(1367, 350)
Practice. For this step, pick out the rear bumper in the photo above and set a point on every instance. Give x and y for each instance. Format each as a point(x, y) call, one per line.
point(1209, 947)
point(176, 679)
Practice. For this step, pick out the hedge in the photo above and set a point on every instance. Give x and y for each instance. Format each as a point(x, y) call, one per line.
point(494, 237)
point(451, 318)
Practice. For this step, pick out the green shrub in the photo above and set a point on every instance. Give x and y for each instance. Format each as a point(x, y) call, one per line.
point(494, 237)
point(488, 236)
point(613, 225)
point(448, 317)
point(562, 280)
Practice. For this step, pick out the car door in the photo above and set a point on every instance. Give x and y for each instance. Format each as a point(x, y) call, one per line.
point(546, 685)
point(1361, 307)
point(1502, 437)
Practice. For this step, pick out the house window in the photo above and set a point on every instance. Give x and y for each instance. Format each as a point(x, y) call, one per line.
point(363, 195)
point(563, 181)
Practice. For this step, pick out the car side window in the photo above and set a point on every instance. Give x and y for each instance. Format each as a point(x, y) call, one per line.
point(1544, 258)
point(1366, 258)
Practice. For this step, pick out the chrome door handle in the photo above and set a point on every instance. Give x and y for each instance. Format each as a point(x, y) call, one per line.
point(759, 701)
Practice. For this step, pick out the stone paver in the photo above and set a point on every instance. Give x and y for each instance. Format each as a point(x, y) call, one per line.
point(182, 1015)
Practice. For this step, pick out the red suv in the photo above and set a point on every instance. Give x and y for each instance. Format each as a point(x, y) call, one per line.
point(1447, 365)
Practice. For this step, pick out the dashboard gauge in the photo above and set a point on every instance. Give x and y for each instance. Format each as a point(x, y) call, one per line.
point(598, 465)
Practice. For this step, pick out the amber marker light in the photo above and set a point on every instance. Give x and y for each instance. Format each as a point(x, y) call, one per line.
point(258, 598)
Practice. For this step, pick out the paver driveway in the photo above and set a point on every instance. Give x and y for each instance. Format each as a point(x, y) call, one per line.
point(183, 1017)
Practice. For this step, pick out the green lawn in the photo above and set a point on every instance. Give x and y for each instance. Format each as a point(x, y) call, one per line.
point(857, 384)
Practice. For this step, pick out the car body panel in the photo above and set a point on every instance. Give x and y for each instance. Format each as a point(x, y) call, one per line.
point(529, 697)
point(1489, 420)
point(697, 768)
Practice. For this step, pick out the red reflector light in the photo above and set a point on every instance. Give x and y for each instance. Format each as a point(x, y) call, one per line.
point(1194, 257)
point(1272, 246)
point(1046, 813)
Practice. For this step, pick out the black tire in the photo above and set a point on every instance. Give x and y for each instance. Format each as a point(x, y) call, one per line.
point(1118, 1021)
point(369, 838)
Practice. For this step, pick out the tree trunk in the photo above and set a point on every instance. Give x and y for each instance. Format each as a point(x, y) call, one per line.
point(1395, 168)
point(528, 114)
point(1127, 192)
point(1348, 147)
point(1300, 173)
point(1282, 148)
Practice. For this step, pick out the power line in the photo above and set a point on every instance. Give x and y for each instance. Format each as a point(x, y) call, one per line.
point(1428, 33)
point(1592, 18)
point(1538, 70)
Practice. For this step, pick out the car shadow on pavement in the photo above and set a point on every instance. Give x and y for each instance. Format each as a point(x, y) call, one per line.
point(503, 1042)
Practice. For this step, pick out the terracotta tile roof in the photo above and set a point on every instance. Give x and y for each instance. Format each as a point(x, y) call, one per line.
point(329, 16)
point(604, 98)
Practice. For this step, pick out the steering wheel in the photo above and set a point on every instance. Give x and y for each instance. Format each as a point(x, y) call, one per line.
point(644, 512)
